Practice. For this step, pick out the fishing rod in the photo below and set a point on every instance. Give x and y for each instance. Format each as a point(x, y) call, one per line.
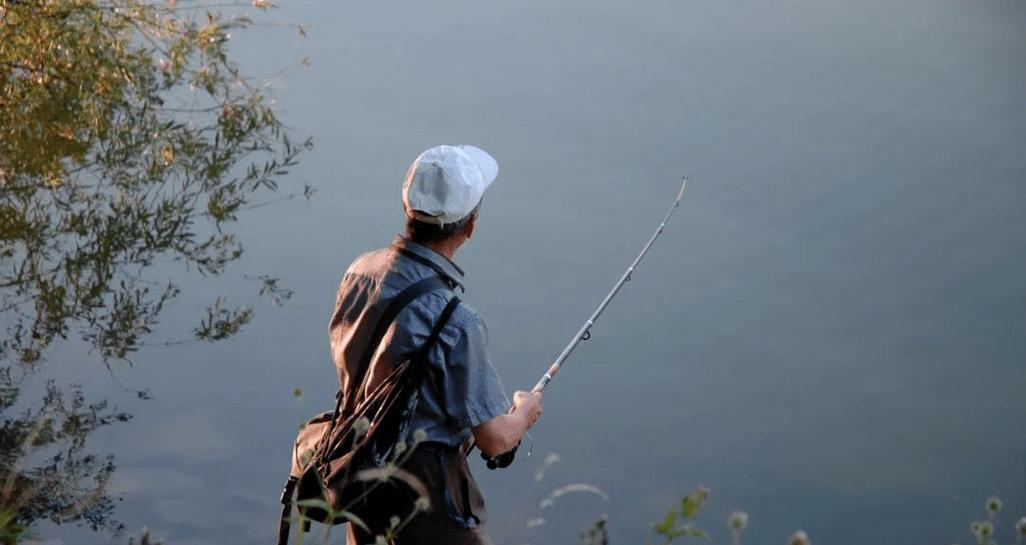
point(584, 333)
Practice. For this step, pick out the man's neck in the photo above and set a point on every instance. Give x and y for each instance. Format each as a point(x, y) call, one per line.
point(446, 247)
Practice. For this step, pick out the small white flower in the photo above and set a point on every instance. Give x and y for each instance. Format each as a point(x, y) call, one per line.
point(393, 522)
point(737, 520)
point(400, 447)
point(361, 426)
point(419, 435)
point(982, 530)
point(422, 504)
point(798, 538)
point(993, 504)
point(1020, 527)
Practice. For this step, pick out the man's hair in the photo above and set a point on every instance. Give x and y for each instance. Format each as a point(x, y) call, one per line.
point(422, 231)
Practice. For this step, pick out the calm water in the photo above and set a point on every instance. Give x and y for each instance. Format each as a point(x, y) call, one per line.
point(831, 335)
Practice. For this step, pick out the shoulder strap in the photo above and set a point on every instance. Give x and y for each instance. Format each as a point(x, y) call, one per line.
point(400, 249)
point(398, 303)
point(436, 381)
point(436, 331)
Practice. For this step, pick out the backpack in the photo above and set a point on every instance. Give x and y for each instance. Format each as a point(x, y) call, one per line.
point(336, 453)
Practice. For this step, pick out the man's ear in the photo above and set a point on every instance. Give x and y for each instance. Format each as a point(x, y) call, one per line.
point(468, 230)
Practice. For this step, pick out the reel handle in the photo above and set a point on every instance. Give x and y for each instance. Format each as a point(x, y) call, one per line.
point(503, 460)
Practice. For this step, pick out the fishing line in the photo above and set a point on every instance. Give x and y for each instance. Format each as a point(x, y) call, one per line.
point(584, 333)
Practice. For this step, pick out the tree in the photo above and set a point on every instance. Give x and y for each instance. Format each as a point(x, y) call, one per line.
point(45, 469)
point(127, 137)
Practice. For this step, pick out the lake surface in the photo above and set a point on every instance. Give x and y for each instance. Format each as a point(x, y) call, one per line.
point(831, 334)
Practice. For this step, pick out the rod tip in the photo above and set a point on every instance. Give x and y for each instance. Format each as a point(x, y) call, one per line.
point(683, 187)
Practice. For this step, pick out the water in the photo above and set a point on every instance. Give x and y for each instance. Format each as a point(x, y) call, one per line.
point(830, 335)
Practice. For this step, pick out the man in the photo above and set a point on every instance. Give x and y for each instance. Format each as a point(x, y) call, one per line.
point(462, 395)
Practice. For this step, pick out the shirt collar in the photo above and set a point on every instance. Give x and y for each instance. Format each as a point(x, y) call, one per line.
point(444, 265)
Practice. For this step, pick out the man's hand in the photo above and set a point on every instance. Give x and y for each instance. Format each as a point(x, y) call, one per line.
point(500, 434)
point(529, 405)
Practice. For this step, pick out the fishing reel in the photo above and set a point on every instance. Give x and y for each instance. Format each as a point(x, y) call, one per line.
point(502, 460)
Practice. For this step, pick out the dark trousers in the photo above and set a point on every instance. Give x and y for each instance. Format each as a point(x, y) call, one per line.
point(456, 515)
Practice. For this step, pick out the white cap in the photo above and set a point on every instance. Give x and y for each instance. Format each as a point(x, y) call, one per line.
point(445, 183)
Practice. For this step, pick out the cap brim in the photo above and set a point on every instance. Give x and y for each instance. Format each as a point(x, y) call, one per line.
point(486, 163)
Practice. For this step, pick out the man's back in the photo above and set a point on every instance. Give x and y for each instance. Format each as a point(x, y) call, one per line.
point(462, 394)
point(463, 389)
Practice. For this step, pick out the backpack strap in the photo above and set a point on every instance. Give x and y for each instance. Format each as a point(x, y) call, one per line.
point(398, 303)
point(405, 252)
point(405, 297)
point(436, 381)
point(436, 331)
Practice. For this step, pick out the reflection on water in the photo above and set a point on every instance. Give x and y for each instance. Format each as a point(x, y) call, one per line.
point(129, 144)
point(829, 335)
point(48, 472)
point(109, 165)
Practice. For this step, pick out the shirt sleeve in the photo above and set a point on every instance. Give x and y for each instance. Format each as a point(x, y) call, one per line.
point(473, 391)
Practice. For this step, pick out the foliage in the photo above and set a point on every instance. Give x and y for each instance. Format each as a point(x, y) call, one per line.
point(669, 528)
point(127, 137)
point(391, 473)
point(598, 534)
point(45, 469)
point(984, 530)
point(144, 539)
point(679, 521)
point(10, 530)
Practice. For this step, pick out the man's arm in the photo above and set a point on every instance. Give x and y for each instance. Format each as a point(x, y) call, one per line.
point(500, 434)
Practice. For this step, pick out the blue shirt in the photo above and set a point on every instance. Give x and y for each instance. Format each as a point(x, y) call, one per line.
point(462, 388)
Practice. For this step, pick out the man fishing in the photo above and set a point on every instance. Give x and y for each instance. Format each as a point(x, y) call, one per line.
point(462, 396)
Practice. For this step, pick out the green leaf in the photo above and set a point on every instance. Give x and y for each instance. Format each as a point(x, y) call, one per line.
point(690, 504)
point(666, 526)
point(688, 530)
